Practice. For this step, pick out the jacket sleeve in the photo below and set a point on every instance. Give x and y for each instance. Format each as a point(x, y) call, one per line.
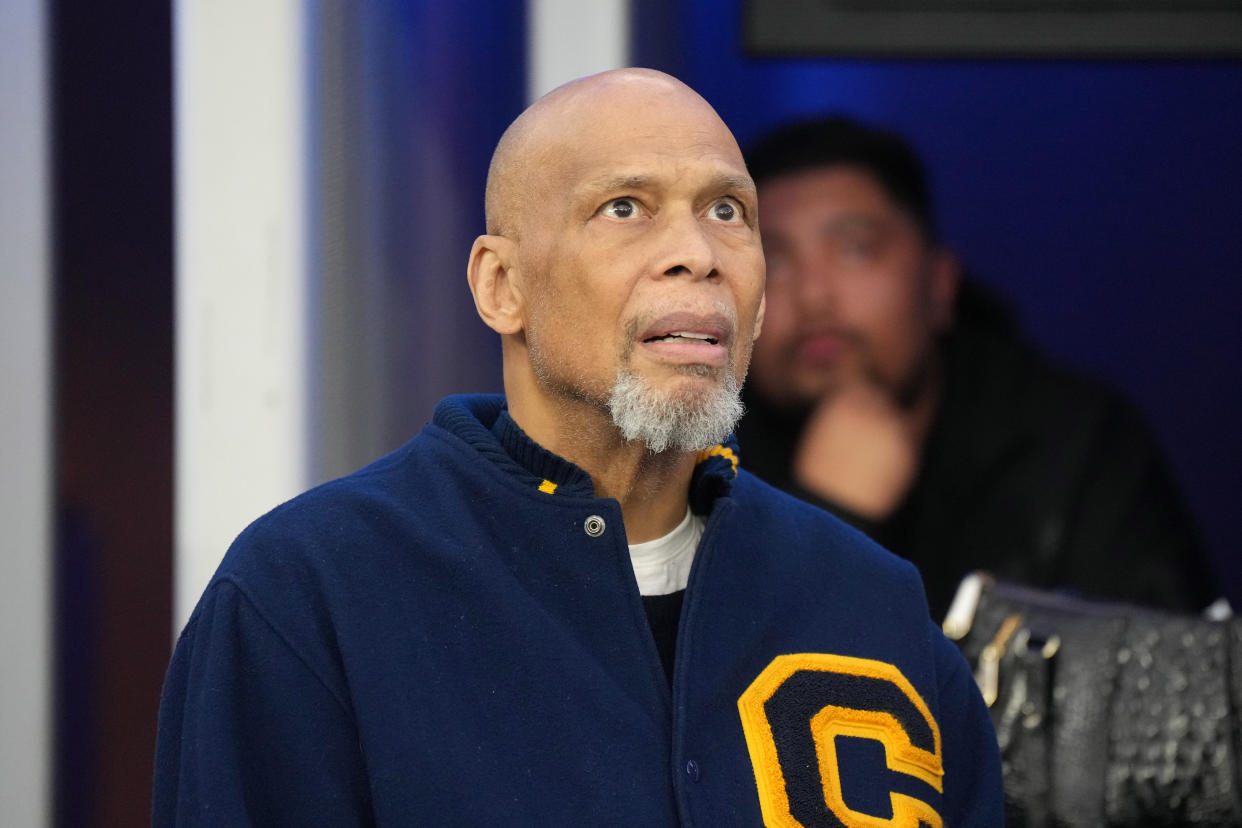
point(248, 733)
point(973, 789)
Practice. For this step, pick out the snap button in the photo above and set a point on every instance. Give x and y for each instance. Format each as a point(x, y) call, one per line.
point(692, 770)
point(594, 526)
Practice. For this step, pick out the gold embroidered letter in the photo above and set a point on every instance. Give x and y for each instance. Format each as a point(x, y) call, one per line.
point(794, 713)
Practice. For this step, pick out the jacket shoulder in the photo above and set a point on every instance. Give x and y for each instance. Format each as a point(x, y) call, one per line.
point(814, 538)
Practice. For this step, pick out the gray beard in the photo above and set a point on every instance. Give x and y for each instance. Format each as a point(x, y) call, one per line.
point(690, 421)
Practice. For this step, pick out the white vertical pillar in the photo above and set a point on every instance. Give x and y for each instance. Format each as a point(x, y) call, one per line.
point(244, 289)
point(571, 38)
point(253, 426)
point(25, 419)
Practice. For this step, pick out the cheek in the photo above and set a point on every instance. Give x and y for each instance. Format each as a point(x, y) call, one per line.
point(779, 319)
point(555, 314)
point(880, 299)
point(898, 326)
point(564, 297)
point(771, 355)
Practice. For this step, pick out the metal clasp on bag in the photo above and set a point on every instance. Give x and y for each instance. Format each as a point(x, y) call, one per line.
point(987, 672)
point(961, 615)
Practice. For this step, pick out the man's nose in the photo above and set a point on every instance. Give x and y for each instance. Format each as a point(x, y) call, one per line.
point(816, 286)
point(690, 250)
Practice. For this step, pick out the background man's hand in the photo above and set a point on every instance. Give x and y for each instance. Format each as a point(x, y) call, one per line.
point(859, 451)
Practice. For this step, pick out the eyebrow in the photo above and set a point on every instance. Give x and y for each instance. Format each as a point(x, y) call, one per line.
point(607, 184)
point(589, 190)
point(849, 220)
point(862, 221)
point(737, 182)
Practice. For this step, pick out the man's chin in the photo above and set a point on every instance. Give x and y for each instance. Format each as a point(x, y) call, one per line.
point(816, 384)
point(689, 412)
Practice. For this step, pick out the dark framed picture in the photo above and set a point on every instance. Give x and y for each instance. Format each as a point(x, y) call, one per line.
point(994, 28)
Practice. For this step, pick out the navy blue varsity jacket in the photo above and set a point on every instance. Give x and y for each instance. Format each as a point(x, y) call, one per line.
point(453, 636)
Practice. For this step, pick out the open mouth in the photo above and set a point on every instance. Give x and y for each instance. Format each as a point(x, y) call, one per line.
point(684, 336)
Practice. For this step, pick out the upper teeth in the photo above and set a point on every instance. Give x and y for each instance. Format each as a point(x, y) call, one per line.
point(690, 335)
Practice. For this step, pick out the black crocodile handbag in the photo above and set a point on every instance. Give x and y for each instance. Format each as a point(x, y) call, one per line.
point(1106, 714)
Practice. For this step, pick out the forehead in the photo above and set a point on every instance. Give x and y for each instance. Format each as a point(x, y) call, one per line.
point(662, 172)
point(838, 189)
point(653, 142)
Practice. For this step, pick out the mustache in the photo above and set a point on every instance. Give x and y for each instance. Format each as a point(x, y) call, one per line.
point(717, 314)
point(842, 332)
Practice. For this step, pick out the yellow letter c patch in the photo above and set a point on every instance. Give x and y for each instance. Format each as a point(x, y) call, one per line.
point(792, 716)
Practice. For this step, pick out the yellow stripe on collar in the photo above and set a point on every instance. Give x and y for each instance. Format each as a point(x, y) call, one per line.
point(718, 451)
point(547, 487)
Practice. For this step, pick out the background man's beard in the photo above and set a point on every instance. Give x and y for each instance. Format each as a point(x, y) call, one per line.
point(689, 420)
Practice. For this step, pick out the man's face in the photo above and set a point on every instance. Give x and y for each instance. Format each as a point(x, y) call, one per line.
point(855, 293)
point(641, 257)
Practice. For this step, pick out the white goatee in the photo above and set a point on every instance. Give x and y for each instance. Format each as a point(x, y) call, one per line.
point(688, 421)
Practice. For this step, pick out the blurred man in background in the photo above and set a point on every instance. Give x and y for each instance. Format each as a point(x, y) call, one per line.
point(898, 394)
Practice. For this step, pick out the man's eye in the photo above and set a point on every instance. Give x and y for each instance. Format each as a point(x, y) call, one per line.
point(725, 210)
point(621, 208)
point(859, 249)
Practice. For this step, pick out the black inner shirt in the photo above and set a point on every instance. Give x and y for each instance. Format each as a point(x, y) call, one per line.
point(664, 617)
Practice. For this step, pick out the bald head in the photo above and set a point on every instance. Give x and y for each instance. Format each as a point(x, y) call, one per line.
point(533, 154)
point(622, 265)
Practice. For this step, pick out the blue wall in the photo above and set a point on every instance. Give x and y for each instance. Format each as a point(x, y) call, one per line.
point(1104, 198)
point(440, 83)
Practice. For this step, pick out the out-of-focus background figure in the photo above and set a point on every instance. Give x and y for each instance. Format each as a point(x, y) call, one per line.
point(899, 394)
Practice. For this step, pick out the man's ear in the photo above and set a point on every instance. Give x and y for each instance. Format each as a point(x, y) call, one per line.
point(493, 275)
point(946, 275)
point(763, 308)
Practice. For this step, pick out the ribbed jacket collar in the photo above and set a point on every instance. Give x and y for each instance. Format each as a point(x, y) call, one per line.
point(483, 422)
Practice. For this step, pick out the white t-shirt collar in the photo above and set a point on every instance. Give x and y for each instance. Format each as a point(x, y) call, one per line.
point(662, 566)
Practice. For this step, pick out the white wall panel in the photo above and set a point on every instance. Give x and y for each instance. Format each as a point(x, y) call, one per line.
point(25, 419)
point(243, 285)
point(568, 39)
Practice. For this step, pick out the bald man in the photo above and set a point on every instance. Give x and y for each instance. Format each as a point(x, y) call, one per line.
point(570, 605)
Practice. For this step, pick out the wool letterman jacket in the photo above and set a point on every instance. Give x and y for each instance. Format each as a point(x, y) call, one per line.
point(453, 636)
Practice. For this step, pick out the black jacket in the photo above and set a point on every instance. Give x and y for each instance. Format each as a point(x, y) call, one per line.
point(1030, 471)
